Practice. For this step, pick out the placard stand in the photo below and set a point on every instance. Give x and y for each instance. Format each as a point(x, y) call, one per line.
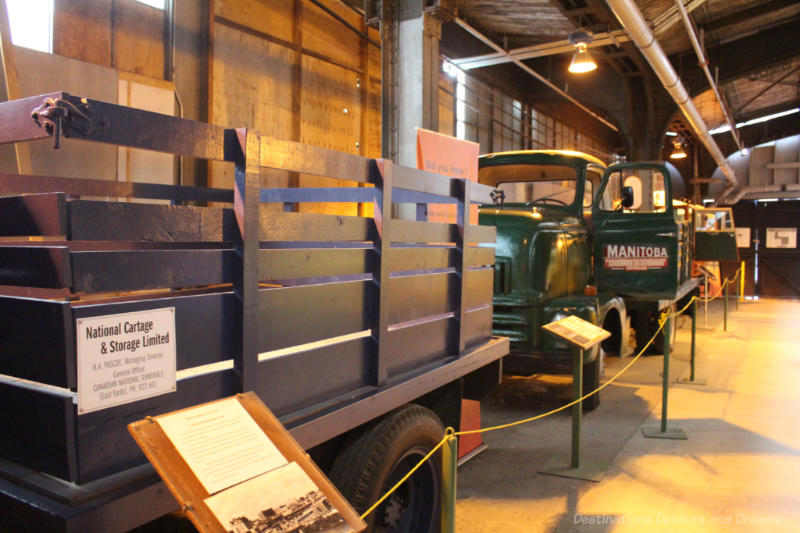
point(582, 336)
point(662, 432)
point(189, 491)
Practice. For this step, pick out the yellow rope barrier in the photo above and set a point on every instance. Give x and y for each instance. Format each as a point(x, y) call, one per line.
point(449, 432)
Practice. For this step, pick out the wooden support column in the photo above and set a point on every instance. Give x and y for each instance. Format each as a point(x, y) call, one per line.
point(364, 147)
point(297, 90)
point(12, 83)
point(207, 166)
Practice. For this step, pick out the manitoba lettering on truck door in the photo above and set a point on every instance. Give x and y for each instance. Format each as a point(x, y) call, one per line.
point(635, 249)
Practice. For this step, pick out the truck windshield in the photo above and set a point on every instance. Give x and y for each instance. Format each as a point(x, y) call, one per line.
point(533, 184)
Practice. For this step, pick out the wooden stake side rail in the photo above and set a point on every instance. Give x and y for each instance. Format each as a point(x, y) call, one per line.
point(332, 320)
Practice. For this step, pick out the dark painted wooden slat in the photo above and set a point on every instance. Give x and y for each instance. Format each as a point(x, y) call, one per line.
point(401, 196)
point(245, 283)
point(203, 324)
point(33, 215)
point(421, 232)
point(297, 315)
point(480, 287)
point(420, 296)
point(478, 256)
point(481, 193)
point(421, 258)
point(379, 312)
point(312, 227)
point(34, 428)
point(326, 373)
point(35, 292)
point(36, 341)
point(478, 325)
point(104, 445)
point(136, 128)
point(355, 413)
point(461, 189)
point(146, 269)
point(419, 180)
point(118, 246)
point(311, 263)
point(15, 183)
point(35, 266)
point(482, 234)
point(417, 345)
point(15, 116)
point(119, 221)
point(431, 257)
point(308, 159)
point(319, 194)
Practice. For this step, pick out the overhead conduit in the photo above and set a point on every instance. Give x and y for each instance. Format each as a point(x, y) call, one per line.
point(634, 23)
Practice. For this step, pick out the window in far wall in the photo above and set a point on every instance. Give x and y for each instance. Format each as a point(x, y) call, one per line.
point(159, 4)
point(31, 23)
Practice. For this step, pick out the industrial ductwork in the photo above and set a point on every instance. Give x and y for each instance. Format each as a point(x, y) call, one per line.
point(634, 23)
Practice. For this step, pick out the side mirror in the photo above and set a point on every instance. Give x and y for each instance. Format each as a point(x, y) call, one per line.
point(627, 196)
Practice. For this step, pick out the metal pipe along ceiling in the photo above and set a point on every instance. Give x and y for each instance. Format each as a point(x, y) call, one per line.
point(703, 63)
point(632, 20)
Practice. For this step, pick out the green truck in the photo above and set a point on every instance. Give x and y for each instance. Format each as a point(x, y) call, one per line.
point(575, 237)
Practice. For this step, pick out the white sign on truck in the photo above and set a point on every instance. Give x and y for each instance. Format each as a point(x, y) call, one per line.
point(125, 357)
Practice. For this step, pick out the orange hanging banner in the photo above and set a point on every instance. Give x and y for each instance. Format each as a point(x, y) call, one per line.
point(448, 156)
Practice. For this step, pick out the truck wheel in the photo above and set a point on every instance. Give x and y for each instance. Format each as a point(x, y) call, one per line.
point(646, 326)
point(591, 380)
point(374, 461)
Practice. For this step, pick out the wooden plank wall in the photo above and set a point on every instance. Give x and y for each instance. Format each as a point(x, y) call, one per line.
point(122, 34)
point(292, 71)
point(447, 118)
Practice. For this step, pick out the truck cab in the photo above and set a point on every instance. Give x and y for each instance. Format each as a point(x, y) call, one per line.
point(575, 237)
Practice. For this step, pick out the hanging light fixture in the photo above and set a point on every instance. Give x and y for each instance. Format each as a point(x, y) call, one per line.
point(677, 151)
point(582, 60)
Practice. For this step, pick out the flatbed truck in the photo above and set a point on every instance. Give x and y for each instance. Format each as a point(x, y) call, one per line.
point(362, 334)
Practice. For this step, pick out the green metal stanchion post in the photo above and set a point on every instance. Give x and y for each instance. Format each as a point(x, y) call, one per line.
point(725, 310)
point(665, 380)
point(694, 336)
point(575, 468)
point(663, 432)
point(692, 380)
point(577, 409)
point(449, 468)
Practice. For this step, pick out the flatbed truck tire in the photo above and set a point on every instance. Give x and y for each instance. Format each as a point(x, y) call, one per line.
point(646, 325)
point(377, 458)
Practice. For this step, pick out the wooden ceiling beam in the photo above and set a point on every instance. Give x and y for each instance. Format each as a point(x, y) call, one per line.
point(746, 14)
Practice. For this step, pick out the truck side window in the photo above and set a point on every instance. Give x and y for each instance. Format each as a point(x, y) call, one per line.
point(588, 193)
point(593, 180)
point(649, 194)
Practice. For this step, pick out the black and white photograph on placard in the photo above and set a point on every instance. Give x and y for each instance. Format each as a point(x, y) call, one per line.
point(284, 500)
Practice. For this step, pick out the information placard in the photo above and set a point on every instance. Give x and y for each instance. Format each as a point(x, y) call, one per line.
point(221, 443)
point(577, 331)
point(742, 237)
point(782, 238)
point(262, 479)
point(125, 357)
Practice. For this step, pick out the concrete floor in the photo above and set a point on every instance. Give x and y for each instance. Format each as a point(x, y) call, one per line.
point(739, 469)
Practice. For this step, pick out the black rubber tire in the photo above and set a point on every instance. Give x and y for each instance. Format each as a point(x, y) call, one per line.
point(379, 456)
point(646, 324)
point(591, 380)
